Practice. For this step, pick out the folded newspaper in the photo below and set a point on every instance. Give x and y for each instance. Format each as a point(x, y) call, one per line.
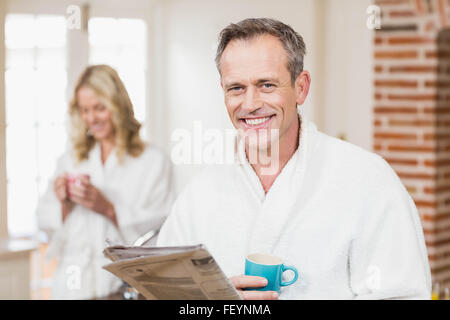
point(171, 273)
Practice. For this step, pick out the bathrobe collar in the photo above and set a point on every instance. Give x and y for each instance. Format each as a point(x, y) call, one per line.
point(99, 169)
point(293, 171)
point(277, 207)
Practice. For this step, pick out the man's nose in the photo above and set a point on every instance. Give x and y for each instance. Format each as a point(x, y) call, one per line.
point(251, 100)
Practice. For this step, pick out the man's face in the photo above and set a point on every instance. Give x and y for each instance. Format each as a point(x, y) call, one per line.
point(259, 95)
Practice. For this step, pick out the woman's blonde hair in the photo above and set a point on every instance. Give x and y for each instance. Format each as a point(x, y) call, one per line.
point(105, 82)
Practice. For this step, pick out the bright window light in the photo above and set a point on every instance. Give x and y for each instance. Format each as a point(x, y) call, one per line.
point(36, 108)
point(122, 43)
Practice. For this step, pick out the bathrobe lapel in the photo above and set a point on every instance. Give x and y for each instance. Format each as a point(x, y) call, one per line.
point(278, 206)
point(99, 171)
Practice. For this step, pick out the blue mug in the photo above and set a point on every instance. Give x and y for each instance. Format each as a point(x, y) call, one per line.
point(269, 267)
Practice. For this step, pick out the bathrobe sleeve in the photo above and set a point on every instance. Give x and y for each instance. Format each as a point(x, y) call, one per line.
point(153, 201)
point(186, 224)
point(176, 230)
point(388, 257)
point(48, 212)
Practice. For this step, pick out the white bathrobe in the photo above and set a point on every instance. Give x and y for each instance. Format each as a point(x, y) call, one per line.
point(140, 190)
point(337, 213)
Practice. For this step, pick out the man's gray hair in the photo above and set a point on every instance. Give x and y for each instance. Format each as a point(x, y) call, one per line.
point(250, 28)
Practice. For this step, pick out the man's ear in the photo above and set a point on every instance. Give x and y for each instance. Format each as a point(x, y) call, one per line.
point(302, 84)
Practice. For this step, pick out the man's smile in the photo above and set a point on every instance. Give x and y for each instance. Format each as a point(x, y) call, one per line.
point(257, 123)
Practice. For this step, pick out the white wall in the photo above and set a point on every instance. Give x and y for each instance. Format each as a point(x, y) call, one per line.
point(3, 206)
point(348, 72)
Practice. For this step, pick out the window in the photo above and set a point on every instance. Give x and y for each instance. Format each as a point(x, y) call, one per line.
point(35, 90)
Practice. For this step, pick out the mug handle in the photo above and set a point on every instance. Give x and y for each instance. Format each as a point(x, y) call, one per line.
point(285, 268)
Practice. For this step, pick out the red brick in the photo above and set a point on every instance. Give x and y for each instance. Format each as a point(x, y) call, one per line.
point(411, 123)
point(442, 12)
point(405, 162)
point(416, 176)
point(438, 270)
point(441, 54)
point(435, 217)
point(442, 189)
point(402, 14)
point(377, 40)
point(391, 2)
point(378, 69)
point(437, 84)
point(430, 163)
point(436, 243)
point(413, 97)
point(378, 96)
point(411, 189)
point(412, 148)
point(395, 54)
point(443, 148)
point(419, 6)
point(430, 26)
point(395, 135)
point(409, 40)
point(443, 123)
point(436, 136)
point(395, 109)
point(425, 204)
point(436, 257)
point(437, 230)
point(413, 69)
point(441, 110)
point(429, 190)
point(396, 83)
point(443, 162)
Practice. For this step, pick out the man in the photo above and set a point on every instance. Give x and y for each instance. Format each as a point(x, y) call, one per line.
point(337, 213)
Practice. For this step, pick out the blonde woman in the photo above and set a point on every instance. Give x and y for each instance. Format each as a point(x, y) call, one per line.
point(109, 185)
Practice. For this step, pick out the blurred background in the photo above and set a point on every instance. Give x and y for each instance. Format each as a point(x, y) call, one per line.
point(364, 80)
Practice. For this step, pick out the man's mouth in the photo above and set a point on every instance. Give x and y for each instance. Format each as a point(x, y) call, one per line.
point(257, 122)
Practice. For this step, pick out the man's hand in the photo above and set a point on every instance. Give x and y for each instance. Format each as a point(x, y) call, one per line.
point(242, 282)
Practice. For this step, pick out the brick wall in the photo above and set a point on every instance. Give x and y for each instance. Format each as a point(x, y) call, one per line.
point(412, 112)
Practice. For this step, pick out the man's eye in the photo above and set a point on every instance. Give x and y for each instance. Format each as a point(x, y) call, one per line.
point(235, 89)
point(268, 85)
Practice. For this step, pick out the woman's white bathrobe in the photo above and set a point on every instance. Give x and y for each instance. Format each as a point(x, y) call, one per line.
point(140, 190)
point(337, 213)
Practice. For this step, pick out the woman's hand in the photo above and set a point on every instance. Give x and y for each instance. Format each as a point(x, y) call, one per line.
point(59, 186)
point(60, 189)
point(87, 195)
point(242, 282)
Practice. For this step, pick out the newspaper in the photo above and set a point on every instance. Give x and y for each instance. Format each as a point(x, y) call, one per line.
point(171, 273)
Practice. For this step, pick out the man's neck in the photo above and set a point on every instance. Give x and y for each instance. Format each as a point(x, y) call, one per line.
point(288, 144)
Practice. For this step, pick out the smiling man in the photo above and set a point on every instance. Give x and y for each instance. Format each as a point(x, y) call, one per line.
point(337, 213)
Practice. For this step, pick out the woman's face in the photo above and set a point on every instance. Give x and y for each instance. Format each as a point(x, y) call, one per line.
point(95, 115)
